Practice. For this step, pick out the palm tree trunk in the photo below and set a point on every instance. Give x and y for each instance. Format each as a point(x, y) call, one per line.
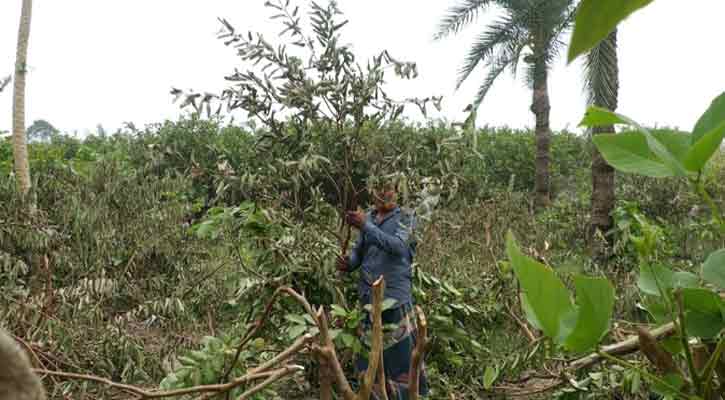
point(540, 107)
point(603, 196)
point(20, 148)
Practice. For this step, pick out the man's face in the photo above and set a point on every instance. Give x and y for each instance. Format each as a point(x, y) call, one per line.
point(384, 198)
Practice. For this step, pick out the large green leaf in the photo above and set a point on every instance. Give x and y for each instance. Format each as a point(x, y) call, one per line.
point(660, 157)
point(713, 270)
point(654, 280)
point(630, 152)
point(546, 294)
point(595, 19)
point(598, 116)
point(660, 149)
point(713, 117)
point(595, 298)
point(703, 317)
point(701, 152)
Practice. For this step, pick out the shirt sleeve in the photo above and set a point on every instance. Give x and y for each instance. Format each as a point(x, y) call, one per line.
point(399, 243)
point(356, 256)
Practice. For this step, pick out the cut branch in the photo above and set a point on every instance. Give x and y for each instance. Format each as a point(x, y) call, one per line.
point(421, 345)
point(627, 346)
point(376, 348)
point(146, 394)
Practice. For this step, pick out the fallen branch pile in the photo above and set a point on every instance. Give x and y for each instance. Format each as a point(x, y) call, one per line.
point(541, 384)
point(320, 345)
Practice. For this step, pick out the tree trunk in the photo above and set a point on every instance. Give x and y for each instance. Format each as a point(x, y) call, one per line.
point(603, 196)
point(20, 148)
point(540, 107)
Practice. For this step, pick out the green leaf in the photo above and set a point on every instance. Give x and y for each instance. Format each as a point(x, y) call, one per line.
point(595, 19)
point(674, 383)
point(598, 116)
point(657, 308)
point(296, 330)
point(547, 296)
point(295, 319)
point(595, 298)
point(701, 152)
point(713, 270)
point(490, 376)
point(338, 311)
point(529, 312)
point(654, 279)
point(672, 344)
point(347, 339)
point(713, 117)
point(388, 303)
point(684, 279)
point(703, 317)
point(630, 152)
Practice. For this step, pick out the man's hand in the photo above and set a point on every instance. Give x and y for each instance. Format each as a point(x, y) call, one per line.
point(342, 264)
point(356, 218)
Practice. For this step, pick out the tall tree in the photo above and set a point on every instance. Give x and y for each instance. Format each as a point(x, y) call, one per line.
point(41, 130)
point(528, 30)
point(602, 81)
point(20, 147)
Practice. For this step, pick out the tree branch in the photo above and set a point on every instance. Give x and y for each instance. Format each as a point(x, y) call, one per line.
point(421, 346)
point(376, 348)
point(146, 394)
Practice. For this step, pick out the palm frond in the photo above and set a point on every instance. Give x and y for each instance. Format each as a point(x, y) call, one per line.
point(497, 66)
point(601, 73)
point(459, 15)
point(498, 33)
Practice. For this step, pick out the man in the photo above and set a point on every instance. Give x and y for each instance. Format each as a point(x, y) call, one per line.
point(385, 246)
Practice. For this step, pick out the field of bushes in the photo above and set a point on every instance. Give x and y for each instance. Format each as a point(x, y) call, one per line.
point(148, 246)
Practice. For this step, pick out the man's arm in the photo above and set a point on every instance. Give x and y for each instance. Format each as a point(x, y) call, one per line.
point(356, 255)
point(398, 243)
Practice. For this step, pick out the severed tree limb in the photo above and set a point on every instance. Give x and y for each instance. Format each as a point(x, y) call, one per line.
point(298, 345)
point(278, 374)
point(326, 349)
point(421, 345)
point(376, 347)
point(146, 394)
point(382, 380)
point(627, 346)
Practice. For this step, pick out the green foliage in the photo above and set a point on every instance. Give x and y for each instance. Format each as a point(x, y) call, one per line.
point(662, 155)
point(206, 366)
point(596, 19)
point(549, 306)
point(713, 270)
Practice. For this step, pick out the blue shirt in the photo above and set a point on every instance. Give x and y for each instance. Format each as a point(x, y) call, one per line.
point(386, 248)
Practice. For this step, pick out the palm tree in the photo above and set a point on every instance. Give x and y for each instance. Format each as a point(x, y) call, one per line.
point(20, 147)
point(602, 82)
point(528, 30)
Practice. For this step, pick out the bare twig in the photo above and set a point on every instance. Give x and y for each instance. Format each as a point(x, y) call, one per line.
point(530, 335)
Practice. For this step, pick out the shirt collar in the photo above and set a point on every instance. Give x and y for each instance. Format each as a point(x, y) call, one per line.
point(395, 211)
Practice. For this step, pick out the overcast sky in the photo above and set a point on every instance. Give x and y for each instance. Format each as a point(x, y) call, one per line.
point(110, 61)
